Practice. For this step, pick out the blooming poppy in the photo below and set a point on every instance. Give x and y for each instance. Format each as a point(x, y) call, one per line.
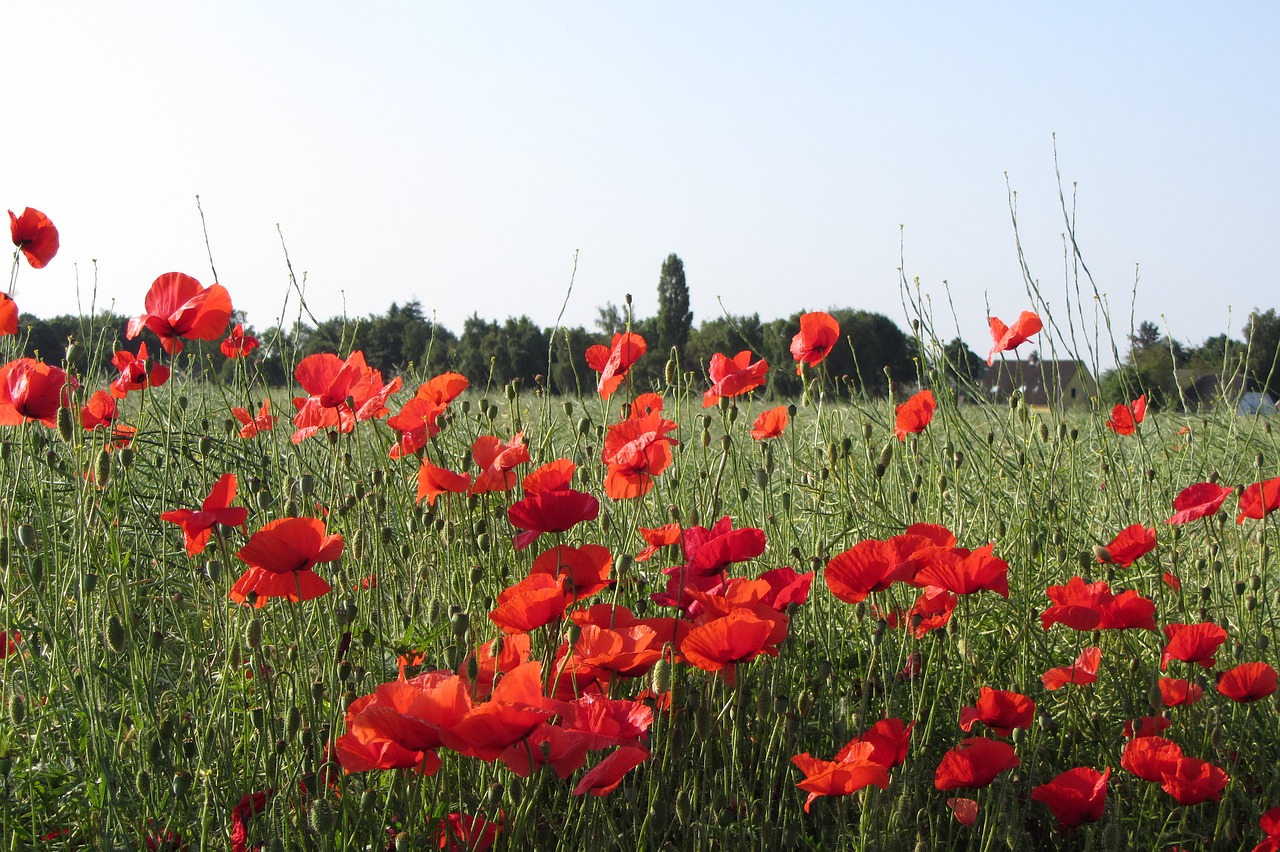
point(585, 568)
point(444, 388)
point(1086, 606)
point(975, 762)
point(770, 423)
point(1248, 682)
point(636, 450)
point(434, 481)
point(965, 810)
point(1259, 500)
point(1176, 692)
point(1124, 419)
point(197, 526)
point(1192, 781)
point(552, 476)
point(850, 772)
point(786, 587)
point(1076, 796)
point(932, 610)
point(664, 536)
point(733, 376)
point(550, 511)
point(101, 412)
point(1000, 710)
point(1131, 543)
point(9, 642)
point(238, 344)
point(1083, 671)
point(33, 390)
point(8, 315)
point(612, 363)
point(280, 557)
point(417, 422)
point(249, 805)
point(34, 235)
point(252, 425)
point(738, 637)
point(1198, 501)
point(912, 416)
point(889, 739)
point(497, 461)
point(1270, 825)
point(1192, 643)
point(340, 393)
point(1151, 757)
point(466, 833)
point(608, 773)
point(136, 373)
point(590, 722)
point(869, 566)
point(400, 725)
point(178, 306)
point(1171, 581)
point(819, 332)
point(1008, 337)
point(966, 574)
point(514, 710)
point(536, 600)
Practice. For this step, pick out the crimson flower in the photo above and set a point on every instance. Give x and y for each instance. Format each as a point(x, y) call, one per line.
point(1259, 500)
point(1248, 682)
point(238, 344)
point(1076, 796)
point(1083, 671)
point(869, 566)
point(497, 461)
point(9, 642)
point(1198, 501)
point(914, 415)
point(1176, 692)
point(1192, 781)
point(1124, 419)
point(1011, 337)
point(999, 710)
point(850, 772)
point(253, 424)
point(434, 481)
point(1150, 757)
point(536, 600)
point(974, 763)
point(280, 557)
point(966, 574)
point(340, 393)
point(738, 637)
point(613, 362)
point(178, 306)
point(608, 773)
point(101, 412)
point(250, 804)
point(966, 810)
point(733, 376)
point(1086, 606)
point(636, 450)
point(550, 511)
point(467, 833)
point(35, 236)
point(8, 315)
point(1270, 825)
point(664, 536)
point(197, 526)
point(136, 373)
point(770, 423)
point(400, 725)
point(585, 568)
point(1192, 643)
point(33, 390)
point(819, 332)
point(1131, 543)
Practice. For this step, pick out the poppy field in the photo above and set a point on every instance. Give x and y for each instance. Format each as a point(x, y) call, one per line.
point(414, 612)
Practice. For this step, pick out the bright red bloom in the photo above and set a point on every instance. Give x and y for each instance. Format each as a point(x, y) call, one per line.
point(636, 450)
point(252, 425)
point(931, 611)
point(250, 804)
point(966, 810)
point(552, 476)
point(664, 536)
point(1124, 419)
point(889, 738)
point(1175, 692)
point(847, 774)
point(1192, 781)
point(35, 236)
point(340, 393)
point(914, 415)
point(819, 332)
point(417, 422)
point(434, 481)
point(1270, 825)
point(1198, 501)
point(1146, 726)
point(33, 390)
point(974, 763)
point(1133, 542)
point(613, 363)
point(280, 557)
point(1076, 796)
point(738, 637)
point(1011, 337)
point(733, 376)
point(550, 511)
point(400, 725)
point(467, 833)
point(101, 412)
point(136, 373)
point(786, 587)
point(770, 424)
point(1086, 606)
point(497, 462)
point(444, 388)
point(586, 568)
point(8, 315)
point(999, 710)
point(1171, 581)
point(591, 722)
point(9, 643)
point(536, 600)
point(197, 526)
point(1259, 500)
point(869, 566)
point(1083, 671)
point(178, 306)
point(608, 773)
point(514, 710)
point(966, 574)
point(1150, 758)
point(1248, 682)
point(1192, 643)
point(238, 344)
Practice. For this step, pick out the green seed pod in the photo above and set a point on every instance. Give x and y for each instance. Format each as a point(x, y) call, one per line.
point(66, 427)
point(482, 542)
point(115, 634)
point(180, 784)
point(672, 373)
point(142, 783)
point(459, 624)
point(357, 544)
point(17, 709)
point(102, 468)
point(660, 677)
point(320, 816)
point(622, 565)
point(253, 634)
point(886, 455)
point(584, 426)
point(27, 537)
point(205, 445)
point(126, 456)
point(293, 721)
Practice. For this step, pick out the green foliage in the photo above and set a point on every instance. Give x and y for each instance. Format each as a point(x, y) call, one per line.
point(674, 319)
point(1262, 335)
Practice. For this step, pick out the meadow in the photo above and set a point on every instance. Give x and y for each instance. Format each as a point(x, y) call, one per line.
point(413, 612)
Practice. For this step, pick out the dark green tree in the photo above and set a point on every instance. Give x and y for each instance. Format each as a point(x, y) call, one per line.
point(674, 320)
point(960, 363)
point(1263, 337)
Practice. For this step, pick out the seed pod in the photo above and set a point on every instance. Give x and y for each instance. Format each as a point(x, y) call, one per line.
point(66, 427)
point(102, 468)
point(142, 782)
point(115, 634)
point(459, 624)
point(253, 634)
point(180, 784)
point(126, 455)
point(320, 816)
point(886, 456)
point(27, 536)
point(17, 709)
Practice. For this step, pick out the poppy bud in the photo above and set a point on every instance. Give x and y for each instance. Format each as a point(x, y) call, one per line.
point(180, 783)
point(17, 708)
point(1251, 603)
point(253, 634)
point(1044, 432)
point(459, 624)
point(66, 428)
point(482, 542)
point(786, 501)
point(572, 633)
point(206, 445)
point(622, 565)
point(126, 457)
point(886, 456)
point(115, 634)
point(672, 373)
point(27, 536)
point(357, 544)
point(102, 468)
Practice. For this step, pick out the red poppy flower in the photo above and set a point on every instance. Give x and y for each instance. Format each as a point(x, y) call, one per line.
point(1192, 643)
point(966, 810)
point(1192, 781)
point(8, 315)
point(889, 738)
point(238, 344)
point(35, 236)
point(400, 725)
point(434, 481)
point(913, 416)
point(1270, 825)
point(1132, 542)
point(770, 424)
point(178, 306)
point(636, 450)
point(1083, 671)
point(536, 600)
point(249, 804)
point(1198, 501)
point(999, 710)
point(9, 643)
point(551, 511)
point(738, 637)
point(585, 568)
point(1124, 419)
point(33, 390)
point(1259, 500)
point(1011, 337)
point(514, 710)
point(1248, 682)
point(591, 722)
point(932, 610)
point(850, 772)
point(467, 833)
point(1171, 581)
point(819, 332)
point(280, 557)
point(1150, 758)
point(136, 373)
point(497, 461)
point(197, 526)
point(1076, 796)
point(1086, 606)
point(101, 412)
point(664, 536)
point(1175, 692)
point(613, 363)
point(869, 566)
point(786, 587)
point(733, 376)
point(974, 763)
point(552, 476)
point(340, 393)
point(608, 773)
point(444, 388)
point(967, 574)
point(252, 425)
point(1146, 726)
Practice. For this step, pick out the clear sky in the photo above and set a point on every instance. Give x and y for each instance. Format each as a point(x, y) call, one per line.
point(791, 154)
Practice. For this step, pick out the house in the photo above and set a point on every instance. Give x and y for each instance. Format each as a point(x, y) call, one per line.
point(1060, 384)
point(1210, 391)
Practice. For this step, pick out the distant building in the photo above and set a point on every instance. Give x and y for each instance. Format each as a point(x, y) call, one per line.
point(1210, 391)
point(1044, 384)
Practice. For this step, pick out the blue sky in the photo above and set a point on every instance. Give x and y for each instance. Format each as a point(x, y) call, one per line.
point(793, 156)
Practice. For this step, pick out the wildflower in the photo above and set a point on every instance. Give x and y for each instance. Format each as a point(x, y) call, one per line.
point(550, 511)
point(101, 412)
point(33, 390)
point(250, 804)
point(1192, 781)
point(177, 306)
point(238, 344)
point(1076, 796)
point(1000, 710)
point(770, 424)
point(608, 773)
point(966, 574)
point(340, 393)
point(1259, 500)
point(536, 600)
point(663, 536)
point(252, 425)
point(1011, 337)
point(197, 526)
point(280, 557)
point(136, 373)
point(35, 236)
point(914, 415)
point(1198, 501)
point(869, 566)
point(819, 332)
point(1248, 682)
point(1192, 643)
point(1131, 543)
point(612, 363)
point(497, 461)
point(848, 774)
point(636, 450)
point(434, 481)
point(1083, 671)
point(1176, 692)
point(965, 810)
point(8, 315)
point(733, 376)
point(1150, 757)
point(585, 568)
point(974, 763)
point(459, 832)
point(1124, 419)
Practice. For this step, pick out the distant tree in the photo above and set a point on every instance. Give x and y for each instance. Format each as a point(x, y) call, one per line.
point(960, 363)
point(1151, 368)
point(876, 347)
point(1147, 337)
point(674, 320)
point(568, 374)
point(611, 319)
point(1263, 337)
